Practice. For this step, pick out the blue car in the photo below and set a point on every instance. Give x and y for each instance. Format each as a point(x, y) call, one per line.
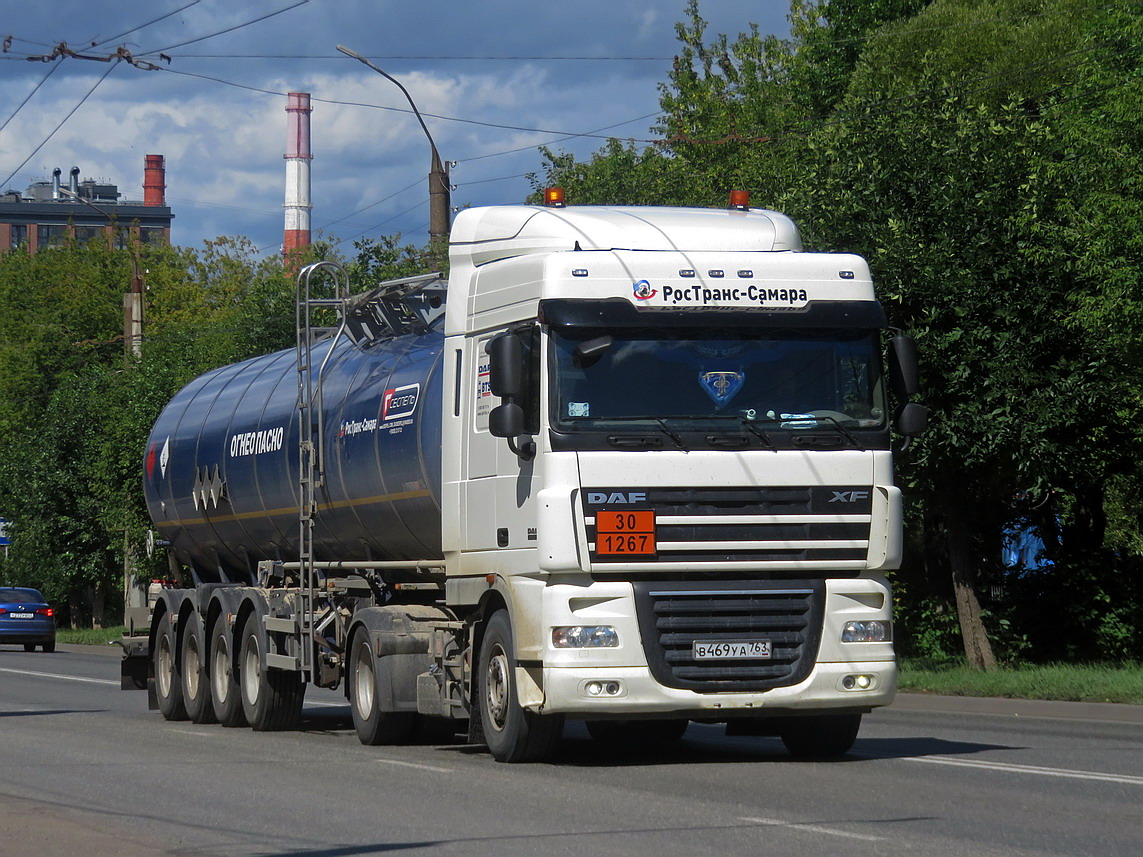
point(25, 617)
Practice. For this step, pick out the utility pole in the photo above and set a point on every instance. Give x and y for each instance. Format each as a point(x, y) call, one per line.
point(439, 189)
point(134, 595)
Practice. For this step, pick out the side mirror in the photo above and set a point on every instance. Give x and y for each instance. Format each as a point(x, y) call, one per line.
point(593, 349)
point(912, 419)
point(507, 421)
point(506, 367)
point(903, 375)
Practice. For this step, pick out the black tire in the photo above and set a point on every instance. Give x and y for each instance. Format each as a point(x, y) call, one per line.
point(50, 646)
point(822, 736)
point(512, 734)
point(196, 672)
point(373, 725)
point(168, 682)
point(639, 734)
point(29, 647)
point(271, 699)
point(225, 695)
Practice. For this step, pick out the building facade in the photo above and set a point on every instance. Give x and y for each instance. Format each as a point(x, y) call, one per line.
point(52, 213)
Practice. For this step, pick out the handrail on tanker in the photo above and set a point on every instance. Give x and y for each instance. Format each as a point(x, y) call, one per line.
point(311, 456)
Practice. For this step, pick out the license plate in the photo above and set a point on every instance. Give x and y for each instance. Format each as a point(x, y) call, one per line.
point(731, 650)
point(22, 615)
point(627, 532)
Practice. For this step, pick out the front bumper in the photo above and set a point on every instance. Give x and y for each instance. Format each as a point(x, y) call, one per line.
point(568, 691)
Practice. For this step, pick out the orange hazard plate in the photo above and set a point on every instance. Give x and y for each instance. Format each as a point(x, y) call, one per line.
point(625, 533)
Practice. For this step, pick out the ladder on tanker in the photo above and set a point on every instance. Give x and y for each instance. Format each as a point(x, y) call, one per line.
point(311, 431)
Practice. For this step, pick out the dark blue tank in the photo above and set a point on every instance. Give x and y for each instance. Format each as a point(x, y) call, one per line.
point(221, 465)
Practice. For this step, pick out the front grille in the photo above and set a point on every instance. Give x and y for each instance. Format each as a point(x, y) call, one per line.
point(673, 616)
point(811, 526)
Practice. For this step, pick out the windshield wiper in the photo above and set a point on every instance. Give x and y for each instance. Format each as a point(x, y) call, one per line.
point(842, 430)
point(658, 421)
point(757, 432)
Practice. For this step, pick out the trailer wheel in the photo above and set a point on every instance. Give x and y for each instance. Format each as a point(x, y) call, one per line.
point(822, 735)
point(195, 674)
point(225, 696)
point(271, 699)
point(637, 733)
point(168, 683)
point(512, 734)
point(373, 725)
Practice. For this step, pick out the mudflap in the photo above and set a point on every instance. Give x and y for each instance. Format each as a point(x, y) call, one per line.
point(135, 668)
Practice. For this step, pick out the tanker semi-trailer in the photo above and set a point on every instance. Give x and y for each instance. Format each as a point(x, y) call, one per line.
point(628, 465)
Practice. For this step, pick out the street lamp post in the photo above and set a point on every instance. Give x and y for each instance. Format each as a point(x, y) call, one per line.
point(439, 189)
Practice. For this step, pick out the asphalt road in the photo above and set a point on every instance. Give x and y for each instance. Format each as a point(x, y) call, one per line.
point(86, 770)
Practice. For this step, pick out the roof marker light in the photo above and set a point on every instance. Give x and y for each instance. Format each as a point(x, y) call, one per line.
point(554, 197)
point(740, 200)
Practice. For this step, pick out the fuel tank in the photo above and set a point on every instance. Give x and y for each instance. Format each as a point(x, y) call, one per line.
point(221, 469)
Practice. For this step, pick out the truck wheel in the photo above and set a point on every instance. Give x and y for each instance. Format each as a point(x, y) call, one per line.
point(512, 734)
point(637, 733)
point(225, 696)
point(168, 683)
point(822, 735)
point(195, 675)
point(373, 725)
point(271, 699)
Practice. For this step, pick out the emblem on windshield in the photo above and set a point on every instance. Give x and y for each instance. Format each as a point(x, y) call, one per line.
point(643, 290)
point(721, 386)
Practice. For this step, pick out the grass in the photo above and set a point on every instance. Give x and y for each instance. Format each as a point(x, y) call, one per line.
point(1121, 682)
point(90, 636)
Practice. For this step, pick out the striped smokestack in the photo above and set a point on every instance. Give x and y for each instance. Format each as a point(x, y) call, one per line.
point(297, 172)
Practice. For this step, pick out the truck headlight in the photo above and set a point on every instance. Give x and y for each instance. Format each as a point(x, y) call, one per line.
point(585, 637)
point(873, 631)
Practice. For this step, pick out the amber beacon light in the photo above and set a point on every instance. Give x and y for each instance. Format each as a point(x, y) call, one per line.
point(740, 200)
point(554, 197)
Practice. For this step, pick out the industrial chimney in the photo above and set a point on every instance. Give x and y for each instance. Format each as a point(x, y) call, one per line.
point(297, 172)
point(154, 180)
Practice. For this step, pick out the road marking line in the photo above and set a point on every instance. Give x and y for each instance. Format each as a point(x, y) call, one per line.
point(813, 828)
point(1007, 767)
point(196, 734)
point(439, 770)
point(328, 704)
point(64, 677)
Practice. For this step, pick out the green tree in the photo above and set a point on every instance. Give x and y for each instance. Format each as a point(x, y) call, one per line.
point(983, 155)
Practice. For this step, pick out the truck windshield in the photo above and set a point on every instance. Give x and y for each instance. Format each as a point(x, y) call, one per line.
point(780, 379)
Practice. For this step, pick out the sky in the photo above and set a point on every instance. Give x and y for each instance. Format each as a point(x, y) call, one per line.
point(494, 80)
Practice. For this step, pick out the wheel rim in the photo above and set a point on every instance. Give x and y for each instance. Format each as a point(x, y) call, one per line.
point(497, 687)
point(363, 681)
point(251, 671)
point(166, 665)
point(221, 672)
point(193, 667)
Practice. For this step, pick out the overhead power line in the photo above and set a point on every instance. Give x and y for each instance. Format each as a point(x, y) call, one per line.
point(227, 30)
point(149, 23)
point(28, 98)
point(71, 112)
point(433, 57)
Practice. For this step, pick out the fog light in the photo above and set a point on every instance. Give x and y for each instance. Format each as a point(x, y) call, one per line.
point(585, 637)
point(873, 631)
point(594, 688)
point(612, 688)
point(858, 682)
